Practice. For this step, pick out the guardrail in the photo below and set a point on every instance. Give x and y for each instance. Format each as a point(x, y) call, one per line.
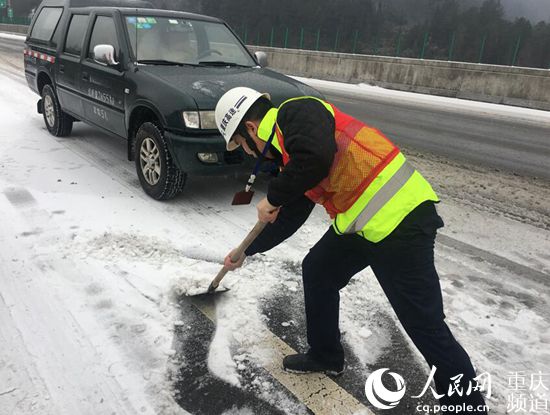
point(525, 87)
point(23, 21)
point(14, 28)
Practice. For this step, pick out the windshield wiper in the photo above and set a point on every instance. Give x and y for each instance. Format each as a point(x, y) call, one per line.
point(164, 62)
point(222, 63)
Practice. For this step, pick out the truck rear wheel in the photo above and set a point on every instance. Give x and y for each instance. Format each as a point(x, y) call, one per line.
point(57, 122)
point(158, 175)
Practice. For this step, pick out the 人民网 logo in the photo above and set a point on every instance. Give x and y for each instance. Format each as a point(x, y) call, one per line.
point(378, 395)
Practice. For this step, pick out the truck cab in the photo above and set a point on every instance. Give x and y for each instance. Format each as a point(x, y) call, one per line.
point(152, 77)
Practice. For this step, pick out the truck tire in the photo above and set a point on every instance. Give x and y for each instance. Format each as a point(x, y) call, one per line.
point(57, 122)
point(158, 175)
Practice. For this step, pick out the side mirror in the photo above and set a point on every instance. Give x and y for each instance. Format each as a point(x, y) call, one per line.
point(261, 58)
point(105, 54)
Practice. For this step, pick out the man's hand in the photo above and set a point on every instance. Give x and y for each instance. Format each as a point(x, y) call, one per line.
point(266, 211)
point(230, 265)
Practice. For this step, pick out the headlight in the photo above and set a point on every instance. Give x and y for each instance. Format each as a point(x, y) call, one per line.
point(203, 120)
point(208, 122)
point(192, 119)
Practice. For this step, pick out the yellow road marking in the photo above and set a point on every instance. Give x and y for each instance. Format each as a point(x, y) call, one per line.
point(317, 391)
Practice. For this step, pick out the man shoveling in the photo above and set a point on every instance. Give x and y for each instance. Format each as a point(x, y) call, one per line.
point(383, 216)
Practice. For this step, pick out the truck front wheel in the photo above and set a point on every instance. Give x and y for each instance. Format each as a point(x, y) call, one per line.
point(158, 175)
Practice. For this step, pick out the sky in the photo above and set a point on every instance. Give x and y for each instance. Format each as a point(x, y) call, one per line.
point(535, 10)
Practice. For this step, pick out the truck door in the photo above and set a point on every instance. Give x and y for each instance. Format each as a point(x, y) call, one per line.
point(68, 68)
point(102, 86)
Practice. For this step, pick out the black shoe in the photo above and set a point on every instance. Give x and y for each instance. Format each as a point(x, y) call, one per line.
point(305, 363)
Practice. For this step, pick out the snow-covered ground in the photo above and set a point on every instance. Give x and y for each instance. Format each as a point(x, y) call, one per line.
point(92, 271)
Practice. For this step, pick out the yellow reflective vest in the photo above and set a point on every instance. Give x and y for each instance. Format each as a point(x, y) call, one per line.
point(371, 187)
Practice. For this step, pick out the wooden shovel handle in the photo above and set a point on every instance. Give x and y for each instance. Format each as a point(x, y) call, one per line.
point(239, 251)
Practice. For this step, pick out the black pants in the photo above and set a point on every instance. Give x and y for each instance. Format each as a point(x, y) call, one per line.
point(404, 265)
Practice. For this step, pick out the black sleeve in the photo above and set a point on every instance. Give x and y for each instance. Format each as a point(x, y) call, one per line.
point(289, 220)
point(308, 130)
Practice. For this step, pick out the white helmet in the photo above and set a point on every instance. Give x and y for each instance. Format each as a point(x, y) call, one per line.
point(231, 109)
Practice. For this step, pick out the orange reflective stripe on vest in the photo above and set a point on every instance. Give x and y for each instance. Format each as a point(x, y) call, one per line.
point(362, 154)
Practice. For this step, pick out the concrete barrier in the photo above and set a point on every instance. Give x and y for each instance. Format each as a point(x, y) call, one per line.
point(523, 87)
point(14, 28)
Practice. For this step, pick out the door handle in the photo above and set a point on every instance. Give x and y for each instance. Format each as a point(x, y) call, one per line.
point(61, 68)
point(85, 76)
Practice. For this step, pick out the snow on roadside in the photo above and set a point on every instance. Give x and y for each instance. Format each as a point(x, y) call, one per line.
point(12, 36)
point(538, 117)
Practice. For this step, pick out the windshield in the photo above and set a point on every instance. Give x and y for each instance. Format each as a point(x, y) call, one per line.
point(163, 40)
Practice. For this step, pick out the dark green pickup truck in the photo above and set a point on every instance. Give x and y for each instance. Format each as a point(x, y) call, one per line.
point(150, 76)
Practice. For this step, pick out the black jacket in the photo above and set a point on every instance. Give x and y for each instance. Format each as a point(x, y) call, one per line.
point(308, 131)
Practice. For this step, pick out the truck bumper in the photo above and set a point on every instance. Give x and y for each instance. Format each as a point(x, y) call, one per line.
point(206, 155)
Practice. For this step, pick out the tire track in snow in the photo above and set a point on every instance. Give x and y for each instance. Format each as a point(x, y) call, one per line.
point(58, 352)
point(541, 279)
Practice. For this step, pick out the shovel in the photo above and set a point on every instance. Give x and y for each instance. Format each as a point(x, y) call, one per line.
point(256, 230)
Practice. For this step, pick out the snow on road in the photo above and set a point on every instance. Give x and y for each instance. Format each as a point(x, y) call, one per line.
point(91, 271)
point(78, 335)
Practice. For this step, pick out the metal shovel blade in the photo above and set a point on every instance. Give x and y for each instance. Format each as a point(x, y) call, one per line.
point(214, 286)
point(209, 291)
point(243, 197)
point(204, 291)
